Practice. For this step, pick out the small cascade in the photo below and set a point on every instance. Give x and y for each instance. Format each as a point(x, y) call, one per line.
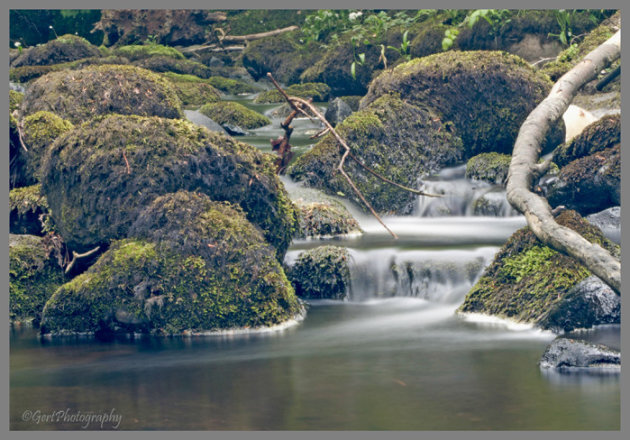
point(441, 276)
point(462, 197)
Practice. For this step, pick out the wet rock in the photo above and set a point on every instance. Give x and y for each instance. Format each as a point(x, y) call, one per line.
point(397, 139)
point(77, 95)
point(489, 167)
point(34, 275)
point(591, 302)
point(63, 49)
point(320, 273)
point(98, 177)
point(202, 120)
point(234, 130)
point(192, 265)
point(597, 136)
point(28, 210)
point(318, 91)
point(318, 219)
point(501, 88)
point(493, 204)
point(569, 353)
point(527, 280)
point(609, 221)
point(234, 114)
point(337, 111)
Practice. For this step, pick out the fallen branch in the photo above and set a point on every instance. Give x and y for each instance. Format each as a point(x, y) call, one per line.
point(258, 36)
point(18, 126)
point(210, 48)
point(523, 168)
point(608, 78)
point(76, 256)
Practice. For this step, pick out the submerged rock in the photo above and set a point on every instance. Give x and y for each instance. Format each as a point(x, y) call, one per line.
point(99, 177)
point(569, 353)
point(318, 219)
point(77, 95)
point(609, 221)
point(192, 265)
point(397, 139)
point(63, 49)
point(321, 273)
point(234, 114)
point(28, 210)
point(337, 111)
point(34, 275)
point(530, 282)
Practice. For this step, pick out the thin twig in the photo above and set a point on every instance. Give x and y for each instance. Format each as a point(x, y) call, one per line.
point(126, 161)
point(19, 130)
point(320, 134)
point(76, 256)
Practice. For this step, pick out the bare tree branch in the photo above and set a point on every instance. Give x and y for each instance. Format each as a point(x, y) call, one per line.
point(258, 36)
point(76, 256)
point(523, 168)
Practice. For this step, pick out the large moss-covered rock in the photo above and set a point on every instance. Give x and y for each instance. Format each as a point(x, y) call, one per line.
point(40, 131)
point(192, 90)
point(34, 275)
point(194, 265)
point(589, 184)
point(233, 113)
point(78, 95)
point(318, 219)
point(572, 55)
point(15, 100)
point(63, 49)
point(598, 136)
point(397, 139)
point(99, 176)
point(489, 167)
point(28, 210)
point(485, 94)
point(318, 91)
point(527, 280)
point(231, 86)
point(24, 74)
point(163, 64)
point(322, 272)
point(141, 51)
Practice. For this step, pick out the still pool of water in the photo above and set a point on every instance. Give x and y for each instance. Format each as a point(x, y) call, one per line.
point(385, 364)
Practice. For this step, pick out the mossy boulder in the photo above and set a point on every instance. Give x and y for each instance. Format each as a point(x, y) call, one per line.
point(231, 86)
point(15, 100)
point(321, 273)
point(489, 167)
point(598, 136)
point(318, 219)
point(40, 131)
point(17, 158)
point(28, 210)
point(352, 101)
point(193, 265)
point(233, 113)
point(77, 95)
point(485, 94)
point(24, 74)
point(141, 51)
point(318, 91)
point(34, 275)
point(99, 177)
point(192, 90)
point(589, 184)
point(568, 58)
point(63, 49)
point(397, 139)
point(527, 280)
point(163, 64)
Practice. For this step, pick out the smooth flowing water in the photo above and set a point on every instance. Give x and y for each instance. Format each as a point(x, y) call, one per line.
point(395, 356)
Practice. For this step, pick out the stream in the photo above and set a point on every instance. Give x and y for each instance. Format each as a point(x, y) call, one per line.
point(393, 356)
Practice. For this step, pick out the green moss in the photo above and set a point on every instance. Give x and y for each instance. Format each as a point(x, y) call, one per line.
point(231, 86)
point(235, 114)
point(33, 277)
point(63, 49)
point(95, 196)
point(396, 139)
point(192, 90)
point(28, 210)
point(352, 101)
point(242, 22)
point(489, 167)
point(78, 95)
point(528, 279)
point(600, 135)
point(195, 265)
point(568, 58)
point(318, 91)
point(322, 272)
point(324, 219)
point(164, 64)
point(138, 52)
point(15, 100)
point(40, 131)
point(24, 74)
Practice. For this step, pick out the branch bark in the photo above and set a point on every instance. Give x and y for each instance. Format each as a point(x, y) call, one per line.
point(258, 36)
point(523, 168)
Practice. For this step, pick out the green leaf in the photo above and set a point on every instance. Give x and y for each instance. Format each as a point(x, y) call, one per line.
point(353, 70)
point(362, 58)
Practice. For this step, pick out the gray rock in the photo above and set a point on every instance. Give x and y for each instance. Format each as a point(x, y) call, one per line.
point(609, 221)
point(215, 62)
point(568, 353)
point(200, 119)
point(337, 111)
point(591, 302)
point(234, 130)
